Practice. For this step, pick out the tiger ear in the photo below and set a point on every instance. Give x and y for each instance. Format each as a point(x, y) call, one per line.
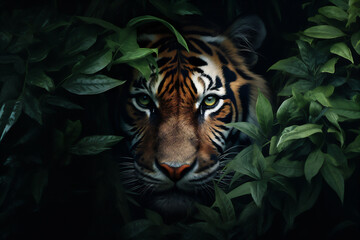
point(248, 33)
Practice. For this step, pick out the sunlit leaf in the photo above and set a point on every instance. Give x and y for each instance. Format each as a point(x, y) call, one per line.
point(89, 85)
point(329, 66)
point(298, 132)
point(342, 50)
point(334, 12)
point(324, 32)
point(9, 114)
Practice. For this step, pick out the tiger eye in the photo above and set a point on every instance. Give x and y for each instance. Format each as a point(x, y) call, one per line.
point(143, 100)
point(210, 101)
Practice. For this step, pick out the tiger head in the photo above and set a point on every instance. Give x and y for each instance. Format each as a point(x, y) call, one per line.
point(176, 120)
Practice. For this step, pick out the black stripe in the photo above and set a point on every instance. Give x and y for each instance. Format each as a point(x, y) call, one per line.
point(222, 58)
point(219, 148)
point(229, 75)
point(244, 92)
point(202, 45)
point(192, 48)
point(218, 84)
point(243, 75)
point(195, 61)
point(163, 61)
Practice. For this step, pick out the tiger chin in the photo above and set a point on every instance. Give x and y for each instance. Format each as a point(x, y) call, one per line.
point(175, 122)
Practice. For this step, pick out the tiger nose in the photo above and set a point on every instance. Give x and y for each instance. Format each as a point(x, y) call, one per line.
point(174, 173)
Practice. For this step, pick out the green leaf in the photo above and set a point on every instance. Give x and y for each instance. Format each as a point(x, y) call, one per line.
point(154, 217)
point(249, 129)
point(38, 78)
point(313, 164)
point(343, 4)
point(100, 22)
point(354, 12)
point(355, 41)
point(242, 190)
point(289, 168)
point(321, 94)
point(354, 146)
point(249, 161)
point(339, 135)
point(136, 54)
point(39, 182)
point(264, 114)
point(145, 19)
point(89, 85)
point(308, 195)
point(258, 190)
point(334, 13)
point(208, 214)
point(143, 66)
point(324, 32)
point(329, 66)
point(283, 184)
point(342, 50)
point(298, 132)
point(32, 106)
point(315, 109)
point(72, 131)
point(62, 102)
point(80, 38)
point(9, 113)
point(93, 145)
point(93, 63)
point(334, 178)
point(171, 9)
point(225, 205)
point(288, 111)
point(292, 65)
point(345, 108)
point(135, 228)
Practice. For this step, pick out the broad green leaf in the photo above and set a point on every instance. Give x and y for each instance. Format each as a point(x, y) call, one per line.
point(300, 86)
point(342, 50)
point(315, 109)
point(355, 41)
point(38, 53)
point(154, 217)
point(339, 135)
point(336, 156)
point(143, 66)
point(171, 9)
point(308, 195)
point(93, 63)
point(287, 111)
point(333, 118)
point(145, 19)
point(135, 228)
point(264, 114)
point(283, 184)
point(343, 4)
point(324, 32)
point(100, 22)
point(249, 161)
point(80, 38)
point(334, 12)
point(313, 164)
point(292, 65)
point(93, 145)
point(38, 78)
point(345, 108)
point(300, 101)
point(243, 189)
point(225, 205)
point(9, 114)
point(39, 182)
point(89, 85)
point(289, 168)
point(334, 178)
point(298, 132)
point(31, 106)
point(354, 12)
point(136, 54)
point(329, 66)
point(249, 129)
point(208, 214)
point(272, 148)
point(62, 102)
point(321, 95)
point(354, 146)
point(258, 190)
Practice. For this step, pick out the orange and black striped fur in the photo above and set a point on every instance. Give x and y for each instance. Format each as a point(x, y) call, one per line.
point(176, 121)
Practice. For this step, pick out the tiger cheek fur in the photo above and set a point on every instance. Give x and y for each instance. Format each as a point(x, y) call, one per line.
point(176, 121)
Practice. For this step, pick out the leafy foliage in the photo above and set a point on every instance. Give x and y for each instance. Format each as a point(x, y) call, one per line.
point(57, 71)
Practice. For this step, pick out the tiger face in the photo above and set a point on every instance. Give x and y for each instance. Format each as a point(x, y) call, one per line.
point(176, 120)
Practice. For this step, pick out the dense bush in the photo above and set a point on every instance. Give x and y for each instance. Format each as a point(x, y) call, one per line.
point(60, 63)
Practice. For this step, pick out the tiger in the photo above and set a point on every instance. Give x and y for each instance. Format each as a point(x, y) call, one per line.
point(176, 122)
